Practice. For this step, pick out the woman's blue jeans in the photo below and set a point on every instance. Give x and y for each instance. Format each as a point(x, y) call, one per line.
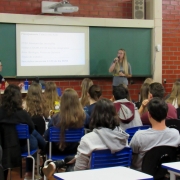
point(36, 141)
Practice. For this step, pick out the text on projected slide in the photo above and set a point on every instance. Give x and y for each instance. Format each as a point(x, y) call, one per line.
point(44, 49)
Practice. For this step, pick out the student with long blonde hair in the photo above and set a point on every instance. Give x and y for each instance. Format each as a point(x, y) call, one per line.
point(34, 103)
point(144, 92)
point(51, 97)
point(85, 85)
point(174, 97)
point(71, 115)
point(120, 68)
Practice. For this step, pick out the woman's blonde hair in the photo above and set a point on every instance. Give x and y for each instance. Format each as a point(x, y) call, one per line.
point(51, 95)
point(35, 101)
point(124, 64)
point(72, 114)
point(144, 92)
point(148, 80)
point(85, 85)
point(175, 94)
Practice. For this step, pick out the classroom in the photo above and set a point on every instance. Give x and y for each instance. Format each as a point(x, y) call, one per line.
point(152, 43)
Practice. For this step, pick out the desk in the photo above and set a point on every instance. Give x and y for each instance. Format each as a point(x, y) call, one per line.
point(173, 168)
point(115, 173)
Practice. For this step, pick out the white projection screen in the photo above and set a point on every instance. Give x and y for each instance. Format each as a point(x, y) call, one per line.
point(44, 50)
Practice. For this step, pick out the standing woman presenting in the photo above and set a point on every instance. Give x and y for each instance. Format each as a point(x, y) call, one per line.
point(121, 69)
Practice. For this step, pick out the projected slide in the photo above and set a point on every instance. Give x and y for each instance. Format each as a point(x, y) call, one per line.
point(47, 50)
point(44, 48)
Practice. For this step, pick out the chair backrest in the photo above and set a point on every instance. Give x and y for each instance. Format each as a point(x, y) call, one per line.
point(22, 131)
point(132, 131)
point(71, 135)
point(104, 158)
point(59, 91)
point(155, 157)
point(173, 123)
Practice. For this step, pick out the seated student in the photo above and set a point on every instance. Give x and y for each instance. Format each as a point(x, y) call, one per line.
point(174, 97)
point(143, 94)
point(168, 95)
point(106, 134)
point(155, 90)
point(11, 113)
point(71, 115)
point(128, 94)
point(35, 105)
point(94, 94)
point(158, 135)
point(127, 111)
point(85, 85)
point(52, 98)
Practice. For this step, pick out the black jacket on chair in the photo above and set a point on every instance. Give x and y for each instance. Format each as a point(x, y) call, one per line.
point(11, 147)
point(9, 139)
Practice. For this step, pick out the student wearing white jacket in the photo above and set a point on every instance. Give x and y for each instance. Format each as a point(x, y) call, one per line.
point(127, 111)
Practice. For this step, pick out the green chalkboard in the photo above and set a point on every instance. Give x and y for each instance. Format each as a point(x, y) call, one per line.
point(8, 49)
point(106, 41)
point(103, 47)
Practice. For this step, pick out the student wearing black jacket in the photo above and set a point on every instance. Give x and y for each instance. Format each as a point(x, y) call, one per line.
point(11, 114)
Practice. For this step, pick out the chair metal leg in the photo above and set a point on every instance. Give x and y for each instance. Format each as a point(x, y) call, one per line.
point(21, 168)
point(38, 159)
point(9, 173)
point(33, 166)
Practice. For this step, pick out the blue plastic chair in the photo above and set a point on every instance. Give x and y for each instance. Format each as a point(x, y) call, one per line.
point(71, 135)
point(132, 131)
point(23, 133)
point(59, 91)
point(104, 158)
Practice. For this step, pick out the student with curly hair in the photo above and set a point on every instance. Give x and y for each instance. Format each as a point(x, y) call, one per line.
point(11, 114)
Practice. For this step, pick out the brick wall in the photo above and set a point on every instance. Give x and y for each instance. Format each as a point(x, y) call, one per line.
point(116, 9)
point(171, 42)
point(87, 8)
